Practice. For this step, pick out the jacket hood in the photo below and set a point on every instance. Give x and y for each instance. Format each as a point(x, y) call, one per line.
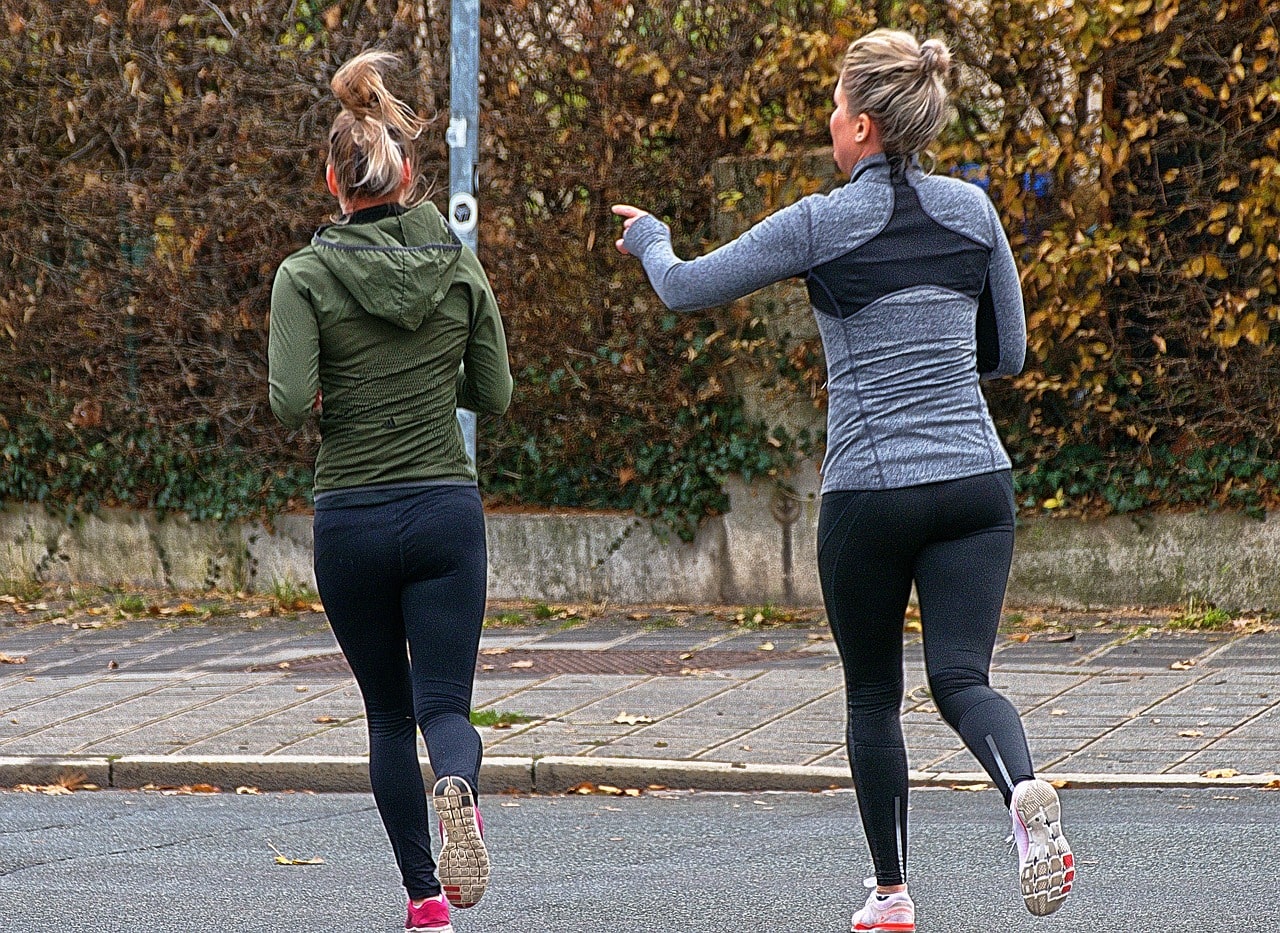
point(398, 267)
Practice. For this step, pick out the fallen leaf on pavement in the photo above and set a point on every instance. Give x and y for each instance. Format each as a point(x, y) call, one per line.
point(639, 616)
point(316, 607)
point(87, 626)
point(686, 656)
point(282, 859)
point(767, 646)
point(1272, 785)
point(1057, 712)
point(970, 787)
point(186, 790)
point(1219, 773)
point(1064, 636)
point(1191, 733)
point(324, 720)
point(489, 652)
point(11, 600)
point(1059, 783)
point(12, 658)
point(49, 790)
point(252, 613)
point(629, 719)
point(246, 791)
point(913, 626)
point(520, 665)
point(487, 667)
point(1022, 637)
point(1183, 665)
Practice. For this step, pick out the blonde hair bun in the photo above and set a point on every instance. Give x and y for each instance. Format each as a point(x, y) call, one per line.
point(361, 91)
point(367, 144)
point(935, 57)
point(901, 84)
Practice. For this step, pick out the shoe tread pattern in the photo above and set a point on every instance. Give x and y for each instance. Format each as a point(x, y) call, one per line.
point(1048, 873)
point(463, 865)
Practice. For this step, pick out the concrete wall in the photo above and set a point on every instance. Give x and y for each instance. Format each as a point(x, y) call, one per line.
point(738, 558)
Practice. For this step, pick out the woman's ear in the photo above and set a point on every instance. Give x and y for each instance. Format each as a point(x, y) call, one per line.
point(406, 174)
point(861, 128)
point(331, 179)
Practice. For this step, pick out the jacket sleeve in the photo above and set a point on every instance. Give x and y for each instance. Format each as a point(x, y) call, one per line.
point(777, 248)
point(293, 351)
point(1002, 320)
point(484, 382)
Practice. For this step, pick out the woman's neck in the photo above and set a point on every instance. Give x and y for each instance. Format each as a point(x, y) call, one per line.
point(360, 204)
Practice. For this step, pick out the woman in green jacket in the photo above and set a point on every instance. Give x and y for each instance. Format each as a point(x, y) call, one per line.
point(382, 327)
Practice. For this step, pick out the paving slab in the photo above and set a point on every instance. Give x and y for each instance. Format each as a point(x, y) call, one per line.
point(1104, 704)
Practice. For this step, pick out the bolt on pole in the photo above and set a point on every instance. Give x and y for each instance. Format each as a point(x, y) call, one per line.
point(463, 138)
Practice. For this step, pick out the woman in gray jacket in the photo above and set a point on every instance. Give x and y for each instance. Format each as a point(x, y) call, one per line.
point(916, 295)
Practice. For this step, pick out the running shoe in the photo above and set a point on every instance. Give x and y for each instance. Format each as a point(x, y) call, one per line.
point(1046, 867)
point(895, 912)
point(431, 916)
point(463, 865)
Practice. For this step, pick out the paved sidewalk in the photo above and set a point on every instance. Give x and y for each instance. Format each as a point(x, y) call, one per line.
point(671, 695)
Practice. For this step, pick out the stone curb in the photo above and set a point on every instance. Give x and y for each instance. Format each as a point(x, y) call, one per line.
point(550, 774)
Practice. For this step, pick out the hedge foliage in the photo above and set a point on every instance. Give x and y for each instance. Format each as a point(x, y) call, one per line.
point(162, 158)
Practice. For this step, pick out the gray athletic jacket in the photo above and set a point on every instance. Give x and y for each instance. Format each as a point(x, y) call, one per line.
point(915, 291)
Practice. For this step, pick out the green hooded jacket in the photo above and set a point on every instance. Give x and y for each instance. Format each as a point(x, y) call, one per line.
point(394, 321)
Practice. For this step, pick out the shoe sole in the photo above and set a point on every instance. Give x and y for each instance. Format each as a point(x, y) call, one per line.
point(463, 865)
point(1049, 872)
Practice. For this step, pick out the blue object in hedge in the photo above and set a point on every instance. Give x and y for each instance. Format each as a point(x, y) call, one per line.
point(1038, 183)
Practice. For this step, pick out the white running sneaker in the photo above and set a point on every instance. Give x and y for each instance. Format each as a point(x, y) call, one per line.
point(463, 865)
point(1046, 868)
point(895, 912)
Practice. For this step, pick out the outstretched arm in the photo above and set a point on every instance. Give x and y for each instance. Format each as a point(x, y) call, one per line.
point(777, 248)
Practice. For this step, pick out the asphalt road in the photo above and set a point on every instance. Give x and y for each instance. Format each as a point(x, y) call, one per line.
point(117, 862)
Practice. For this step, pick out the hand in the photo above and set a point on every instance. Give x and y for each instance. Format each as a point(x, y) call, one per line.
point(629, 215)
point(317, 405)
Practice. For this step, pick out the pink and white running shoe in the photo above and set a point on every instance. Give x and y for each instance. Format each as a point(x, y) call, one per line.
point(431, 916)
point(895, 913)
point(463, 865)
point(1046, 867)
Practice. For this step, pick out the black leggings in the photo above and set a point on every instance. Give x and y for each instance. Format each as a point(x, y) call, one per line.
point(409, 571)
point(954, 540)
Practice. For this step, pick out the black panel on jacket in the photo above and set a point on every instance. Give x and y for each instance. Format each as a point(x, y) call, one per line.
point(912, 251)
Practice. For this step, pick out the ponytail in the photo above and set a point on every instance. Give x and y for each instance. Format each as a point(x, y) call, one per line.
point(368, 141)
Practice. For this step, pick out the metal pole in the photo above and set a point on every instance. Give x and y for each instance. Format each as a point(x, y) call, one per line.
point(463, 138)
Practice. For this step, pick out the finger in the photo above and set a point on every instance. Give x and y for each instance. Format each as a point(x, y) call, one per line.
point(626, 210)
point(621, 248)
